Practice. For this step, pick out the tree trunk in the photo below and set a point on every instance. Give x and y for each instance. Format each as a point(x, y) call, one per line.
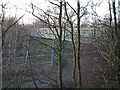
point(117, 42)
point(73, 45)
point(60, 49)
point(78, 45)
point(74, 55)
point(0, 54)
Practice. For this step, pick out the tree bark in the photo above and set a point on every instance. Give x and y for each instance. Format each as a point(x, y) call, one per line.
point(74, 55)
point(0, 55)
point(78, 45)
point(117, 42)
point(73, 45)
point(60, 49)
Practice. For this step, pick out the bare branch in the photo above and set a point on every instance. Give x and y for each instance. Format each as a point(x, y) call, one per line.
point(54, 3)
point(12, 25)
point(72, 8)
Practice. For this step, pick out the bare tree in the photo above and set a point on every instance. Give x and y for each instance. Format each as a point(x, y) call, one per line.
point(59, 35)
point(73, 43)
point(109, 46)
point(4, 30)
point(76, 49)
point(117, 40)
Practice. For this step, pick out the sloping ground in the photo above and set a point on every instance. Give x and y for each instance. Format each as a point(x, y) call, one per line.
point(91, 73)
point(94, 70)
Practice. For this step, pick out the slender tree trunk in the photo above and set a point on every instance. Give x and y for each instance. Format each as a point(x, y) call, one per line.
point(111, 31)
point(119, 28)
point(78, 45)
point(1, 42)
point(0, 55)
point(115, 18)
point(73, 45)
point(110, 13)
point(117, 42)
point(15, 53)
point(2, 22)
point(15, 43)
point(60, 49)
point(74, 55)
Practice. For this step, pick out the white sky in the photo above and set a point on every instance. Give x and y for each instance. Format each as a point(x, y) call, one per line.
point(23, 5)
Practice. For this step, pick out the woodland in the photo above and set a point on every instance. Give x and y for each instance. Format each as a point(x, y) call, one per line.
point(65, 46)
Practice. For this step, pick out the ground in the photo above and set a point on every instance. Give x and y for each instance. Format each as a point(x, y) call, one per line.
point(96, 73)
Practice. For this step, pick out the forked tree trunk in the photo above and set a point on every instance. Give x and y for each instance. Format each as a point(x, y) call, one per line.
point(73, 45)
point(74, 56)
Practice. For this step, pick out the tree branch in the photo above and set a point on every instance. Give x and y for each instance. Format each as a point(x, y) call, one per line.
point(12, 25)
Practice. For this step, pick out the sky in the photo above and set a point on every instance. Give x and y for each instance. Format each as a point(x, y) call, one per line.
point(19, 7)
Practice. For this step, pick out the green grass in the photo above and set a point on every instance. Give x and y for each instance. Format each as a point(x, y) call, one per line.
point(36, 47)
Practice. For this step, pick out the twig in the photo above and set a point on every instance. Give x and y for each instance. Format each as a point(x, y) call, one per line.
point(103, 75)
point(54, 3)
point(12, 25)
point(72, 8)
